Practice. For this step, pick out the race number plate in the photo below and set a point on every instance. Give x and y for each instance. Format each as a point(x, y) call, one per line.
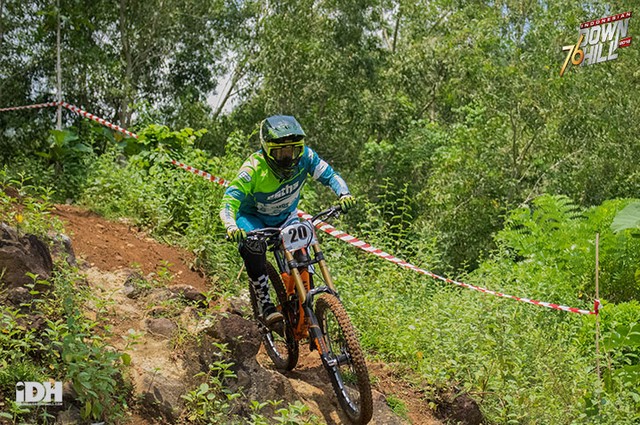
point(298, 235)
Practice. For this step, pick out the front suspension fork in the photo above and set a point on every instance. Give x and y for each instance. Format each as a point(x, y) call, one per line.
point(316, 338)
point(324, 269)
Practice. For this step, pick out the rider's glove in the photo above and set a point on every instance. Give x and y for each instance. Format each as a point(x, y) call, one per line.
point(347, 202)
point(235, 234)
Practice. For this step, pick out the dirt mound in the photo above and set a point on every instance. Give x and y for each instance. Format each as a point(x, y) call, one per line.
point(110, 245)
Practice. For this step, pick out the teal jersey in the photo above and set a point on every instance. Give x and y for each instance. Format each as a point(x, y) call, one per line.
point(258, 192)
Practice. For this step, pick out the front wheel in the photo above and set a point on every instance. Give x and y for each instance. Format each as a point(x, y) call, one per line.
point(345, 363)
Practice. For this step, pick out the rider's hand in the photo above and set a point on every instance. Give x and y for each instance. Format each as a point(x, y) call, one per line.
point(235, 234)
point(347, 202)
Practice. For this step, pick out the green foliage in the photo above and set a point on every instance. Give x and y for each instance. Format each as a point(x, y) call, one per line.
point(294, 414)
point(620, 364)
point(64, 349)
point(209, 403)
point(628, 218)
point(158, 144)
point(397, 406)
point(501, 351)
point(30, 211)
point(556, 240)
point(62, 147)
point(66, 346)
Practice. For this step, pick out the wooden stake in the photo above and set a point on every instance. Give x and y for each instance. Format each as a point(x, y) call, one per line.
point(597, 315)
point(239, 273)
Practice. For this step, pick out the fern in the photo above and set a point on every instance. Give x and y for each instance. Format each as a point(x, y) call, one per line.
point(390, 218)
point(529, 230)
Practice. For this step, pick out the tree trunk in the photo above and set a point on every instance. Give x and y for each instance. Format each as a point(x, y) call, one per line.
point(1, 20)
point(58, 71)
point(395, 33)
point(125, 114)
point(238, 72)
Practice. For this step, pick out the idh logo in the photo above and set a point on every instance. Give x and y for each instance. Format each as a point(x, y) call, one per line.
point(39, 393)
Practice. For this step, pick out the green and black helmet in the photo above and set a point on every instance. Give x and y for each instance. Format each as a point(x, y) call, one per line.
point(282, 141)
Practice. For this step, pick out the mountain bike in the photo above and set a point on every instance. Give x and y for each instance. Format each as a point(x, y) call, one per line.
point(313, 314)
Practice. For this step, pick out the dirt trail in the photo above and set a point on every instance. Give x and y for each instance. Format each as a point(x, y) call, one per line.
point(109, 248)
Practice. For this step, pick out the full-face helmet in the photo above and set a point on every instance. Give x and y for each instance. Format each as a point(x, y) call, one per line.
point(282, 141)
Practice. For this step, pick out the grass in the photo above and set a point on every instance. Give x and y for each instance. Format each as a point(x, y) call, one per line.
point(397, 406)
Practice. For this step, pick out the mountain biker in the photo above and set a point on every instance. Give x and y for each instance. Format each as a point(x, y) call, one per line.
point(266, 193)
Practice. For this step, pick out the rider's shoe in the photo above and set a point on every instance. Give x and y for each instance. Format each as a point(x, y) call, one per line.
point(271, 316)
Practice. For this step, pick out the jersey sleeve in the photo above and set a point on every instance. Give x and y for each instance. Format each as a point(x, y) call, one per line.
point(321, 171)
point(238, 190)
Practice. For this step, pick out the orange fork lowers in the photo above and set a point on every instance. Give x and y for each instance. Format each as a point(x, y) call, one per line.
point(302, 330)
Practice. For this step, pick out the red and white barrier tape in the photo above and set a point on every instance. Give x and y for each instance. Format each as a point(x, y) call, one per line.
point(352, 240)
point(325, 227)
point(78, 111)
point(36, 106)
point(201, 173)
point(115, 127)
point(98, 119)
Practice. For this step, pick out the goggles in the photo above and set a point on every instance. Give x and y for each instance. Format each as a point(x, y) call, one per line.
point(287, 150)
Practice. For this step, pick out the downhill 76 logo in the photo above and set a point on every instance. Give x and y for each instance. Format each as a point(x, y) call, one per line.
point(599, 40)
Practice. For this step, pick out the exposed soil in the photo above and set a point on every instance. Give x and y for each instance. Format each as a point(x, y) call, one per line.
point(113, 247)
point(109, 246)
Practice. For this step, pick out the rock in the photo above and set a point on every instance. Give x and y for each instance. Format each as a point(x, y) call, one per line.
point(68, 392)
point(243, 342)
point(18, 296)
point(62, 249)
point(158, 295)
point(162, 397)
point(132, 285)
point(159, 311)
point(241, 304)
point(35, 322)
point(190, 294)
point(161, 326)
point(203, 326)
point(460, 409)
point(382, 413)
point(191, 320)
point(241, 336)
point(20, 255)
point(69, 417)
point(11, 192)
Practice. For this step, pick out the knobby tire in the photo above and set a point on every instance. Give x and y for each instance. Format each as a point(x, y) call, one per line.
point(350, 379)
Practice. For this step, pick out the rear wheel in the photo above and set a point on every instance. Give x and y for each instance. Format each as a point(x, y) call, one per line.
point(280, 345)
point(346, 366)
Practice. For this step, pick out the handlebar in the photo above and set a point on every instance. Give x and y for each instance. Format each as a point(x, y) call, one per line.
point(333, 211)
point(265, 232)
point(269, 232)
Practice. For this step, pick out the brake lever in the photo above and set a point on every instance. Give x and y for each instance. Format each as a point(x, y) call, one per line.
point(337, 210)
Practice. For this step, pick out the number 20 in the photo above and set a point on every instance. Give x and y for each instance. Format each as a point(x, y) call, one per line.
point(298, 233)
